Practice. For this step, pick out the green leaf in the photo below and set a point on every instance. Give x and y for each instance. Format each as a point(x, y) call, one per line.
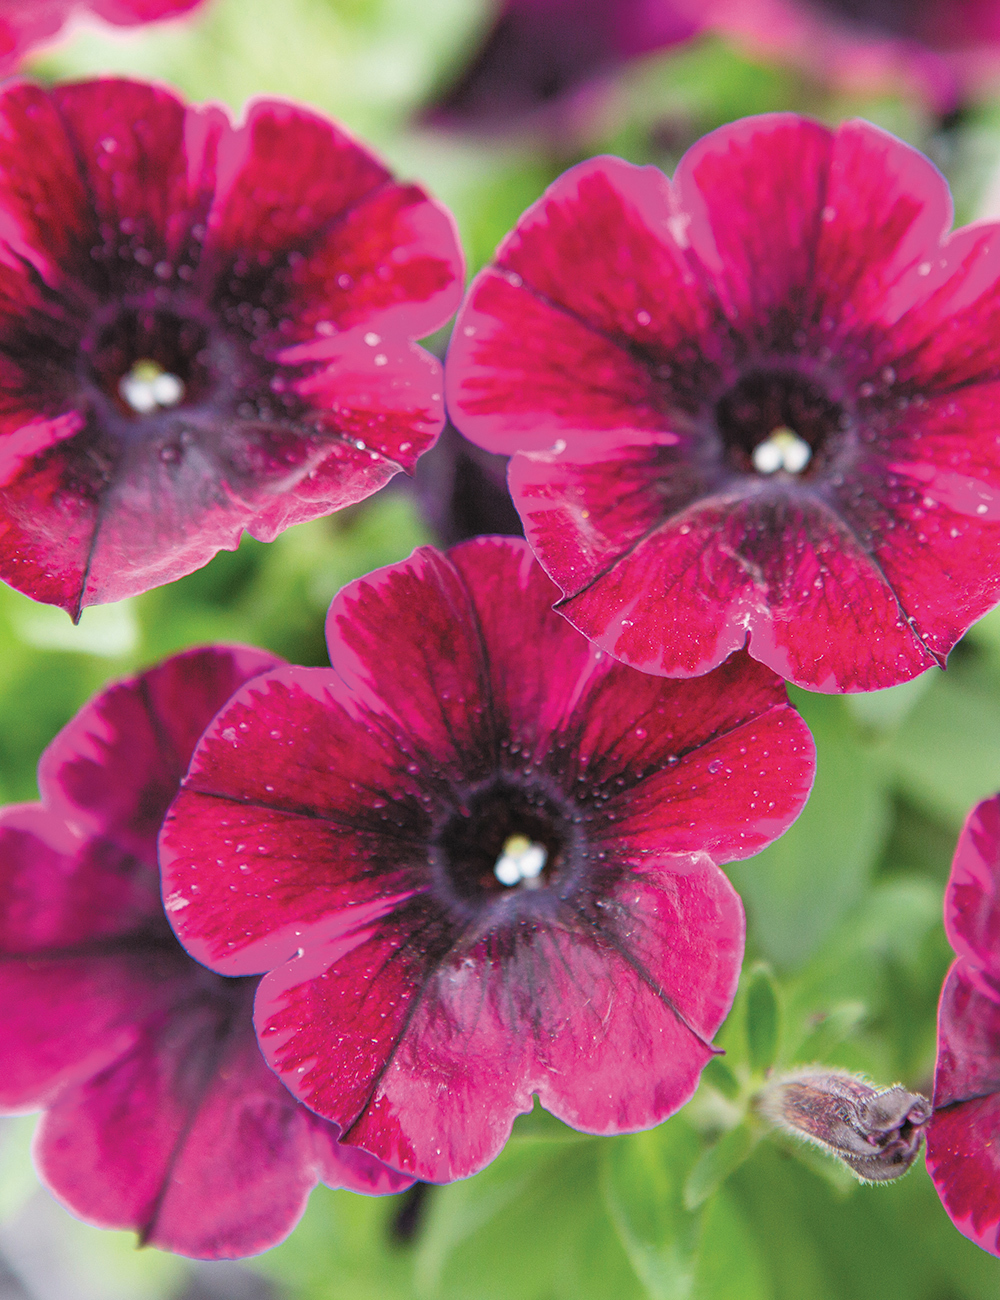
point(798, 889)
point(531, 1226)
point(881, 1243)
point(763, 1019)
point(343, 1249)
point(883, 711)
point(946, 754)
point(719, 1076)
point(829, 1029)
point(643, 1181)
point(716, 1164)
point(730, 1263)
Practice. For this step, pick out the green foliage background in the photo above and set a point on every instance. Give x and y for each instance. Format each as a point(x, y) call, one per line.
point(846, 950)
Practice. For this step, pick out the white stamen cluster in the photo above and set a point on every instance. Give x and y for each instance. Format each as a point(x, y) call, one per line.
point(148, 387)
point(520, 861)
point(783, 449)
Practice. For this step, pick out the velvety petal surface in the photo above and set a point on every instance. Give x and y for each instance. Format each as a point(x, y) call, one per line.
point(962, 1152)
point(191, 1140)
point(457, 1050)
point(972, 901)
point(161, 1113)
point(783, 576)
point(114, 768)
point(273, 268)
point(435, 684)
point(311, 838)
point(705, 299)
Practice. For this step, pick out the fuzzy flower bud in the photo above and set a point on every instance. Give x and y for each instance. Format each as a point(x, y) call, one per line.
point(876, 1132)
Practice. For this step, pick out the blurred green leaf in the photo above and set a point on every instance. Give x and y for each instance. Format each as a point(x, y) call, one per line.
point(946, 753)
point(763, 1019)
point(730, 1261)
point(643, 1179)
point(843, 1007)
point(715, 1164)
point(343, 1249)
point(883, 711)
point(17, 1174)
point(532, 1225)
point(718, 1074)
point(829, 1029)
point(798, 889)
point(880, 1243)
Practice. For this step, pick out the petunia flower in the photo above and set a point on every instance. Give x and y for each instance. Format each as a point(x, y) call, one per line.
point(25, 24)
point(754, 406)
point(160, 1112)
point(539, 53)
point(204, 328)
point(936, 49)
point(478, 858)
point(963, 1152)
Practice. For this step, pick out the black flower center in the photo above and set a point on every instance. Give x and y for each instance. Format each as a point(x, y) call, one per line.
point(773, 421)
point(148, 360)
point(505, 837)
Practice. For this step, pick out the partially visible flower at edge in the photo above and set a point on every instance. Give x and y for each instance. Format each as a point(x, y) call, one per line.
point(160, 1112)
point(753, 406)
point(25, 24)
point(494, 851)
point(204, 328)
point(539, 54)
point(941, 50)
point(963, 1140)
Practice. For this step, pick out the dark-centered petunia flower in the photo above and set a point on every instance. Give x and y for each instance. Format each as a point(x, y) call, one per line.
point(161, 1114)
point(204, 328)
point(937, 49)
point(489, 852)
point(756, 405)
point(25, 24)
point(963, 1140)
point(538, 52)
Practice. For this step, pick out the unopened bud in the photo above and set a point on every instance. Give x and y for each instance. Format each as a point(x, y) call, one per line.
point(876, 1132)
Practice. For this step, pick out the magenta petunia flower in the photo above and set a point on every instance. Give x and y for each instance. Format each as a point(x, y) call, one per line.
point(161, 1114)
point(204, 328)
point(478, 857)
point(963, 1151)
point(937, 49)
point(538, 52)
point(27, 23)
point(756, 406)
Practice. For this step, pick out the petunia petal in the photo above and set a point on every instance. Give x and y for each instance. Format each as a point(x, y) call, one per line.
point(972, 900)
point(189, 1139)
point(962, 1155)
point(292, 806)
point(679, 596)
point(114, 768)
point(456, 1050)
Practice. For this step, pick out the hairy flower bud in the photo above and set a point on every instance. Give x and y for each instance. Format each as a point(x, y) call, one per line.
point(876, 1132)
